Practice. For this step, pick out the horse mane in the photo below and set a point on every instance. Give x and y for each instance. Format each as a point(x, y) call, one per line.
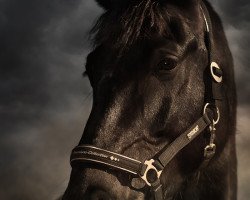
point(124, 26)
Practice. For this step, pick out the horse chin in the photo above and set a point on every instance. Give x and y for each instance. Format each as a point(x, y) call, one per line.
point(96, 184)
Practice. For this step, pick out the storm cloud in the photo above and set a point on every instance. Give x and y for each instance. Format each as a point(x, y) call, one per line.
point(45, 101)
point(236, 18)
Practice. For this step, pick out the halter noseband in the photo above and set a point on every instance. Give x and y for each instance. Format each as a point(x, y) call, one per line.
point(150, 170)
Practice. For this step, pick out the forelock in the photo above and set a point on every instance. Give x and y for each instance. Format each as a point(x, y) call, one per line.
point(123, 27)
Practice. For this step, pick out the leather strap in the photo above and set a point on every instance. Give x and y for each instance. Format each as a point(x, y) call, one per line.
point(156, 189)
point(214, 69)
point(170, 151)
point(90, 154)
point(215, 85)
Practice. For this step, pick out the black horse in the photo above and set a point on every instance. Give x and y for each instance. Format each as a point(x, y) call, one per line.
point(155, 65)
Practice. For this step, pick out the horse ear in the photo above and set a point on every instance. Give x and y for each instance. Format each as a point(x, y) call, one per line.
point(107, 4)
point(110, 4)
point(182, 3)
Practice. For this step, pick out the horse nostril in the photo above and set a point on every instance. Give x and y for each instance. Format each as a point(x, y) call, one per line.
point(98, 194)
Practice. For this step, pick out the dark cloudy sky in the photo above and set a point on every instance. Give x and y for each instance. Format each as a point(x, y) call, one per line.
point(44, 101)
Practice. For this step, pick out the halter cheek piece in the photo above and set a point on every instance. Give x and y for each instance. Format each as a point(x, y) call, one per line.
point(150, 170)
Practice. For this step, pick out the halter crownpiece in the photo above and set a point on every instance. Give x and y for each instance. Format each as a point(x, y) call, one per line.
point(150, 170)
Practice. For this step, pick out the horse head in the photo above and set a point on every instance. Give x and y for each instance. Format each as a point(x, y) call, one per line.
point(150, 78)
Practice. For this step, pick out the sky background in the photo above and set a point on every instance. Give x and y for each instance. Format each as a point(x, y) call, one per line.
point(45, 101)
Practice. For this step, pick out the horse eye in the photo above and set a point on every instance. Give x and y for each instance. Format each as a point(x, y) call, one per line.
point(167, 64)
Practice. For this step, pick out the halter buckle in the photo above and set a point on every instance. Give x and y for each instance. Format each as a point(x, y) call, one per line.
point(215, 109)
point(217, 77)
point(151, 174)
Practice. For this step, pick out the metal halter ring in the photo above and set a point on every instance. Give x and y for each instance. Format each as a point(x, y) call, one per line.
point(217, 111)
point(150, 168)
point(217, 78)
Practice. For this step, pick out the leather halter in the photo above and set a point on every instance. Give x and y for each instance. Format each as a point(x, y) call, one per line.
point(150, 170)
